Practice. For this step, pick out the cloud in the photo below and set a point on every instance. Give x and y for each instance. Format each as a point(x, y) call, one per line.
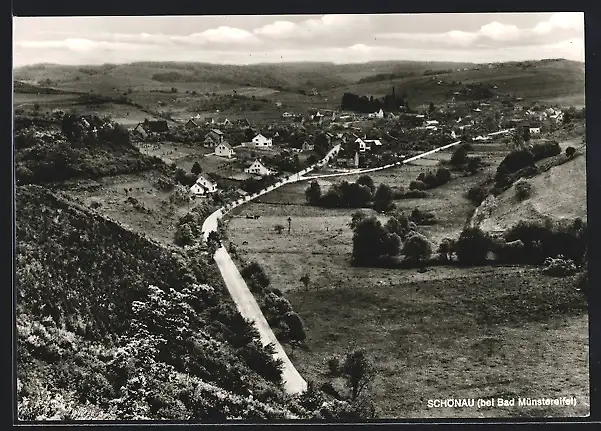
point(498, 34)
point(562, 20)
point(327, 25)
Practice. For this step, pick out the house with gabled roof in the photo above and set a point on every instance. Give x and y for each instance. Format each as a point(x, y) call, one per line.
point(224, 149)
point(258, 168)
point(203, 185)
point(262, 141)
point(213, 138)
point(191, 124)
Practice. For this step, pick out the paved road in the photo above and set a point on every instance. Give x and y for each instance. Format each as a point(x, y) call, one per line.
point(243, 297)
point(241, 294)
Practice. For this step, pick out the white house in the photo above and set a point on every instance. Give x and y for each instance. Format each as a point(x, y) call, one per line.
point(431, 122)
point(203, 185)
point(258, 168)
point(262, 141)
point(287, 114)
point(224, 150)
point(379, 114)
point(534, 130)
point(374, 142)
point(482, 138)
point(362, 145)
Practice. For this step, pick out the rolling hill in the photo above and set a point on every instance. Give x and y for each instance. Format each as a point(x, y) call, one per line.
point(561, 81)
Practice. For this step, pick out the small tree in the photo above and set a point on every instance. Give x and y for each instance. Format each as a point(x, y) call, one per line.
point(417, 247)
point(196, 168)
point(473, 246)
point(445, 249)
point(313, 193)
point(366, 180)
point(459, 157)
point(383, 198)
point(279, 228)
point(443, 175)
point(359, 371)
point(570, 151)
point(306, 280)
point(356, 218)
point(296, 328)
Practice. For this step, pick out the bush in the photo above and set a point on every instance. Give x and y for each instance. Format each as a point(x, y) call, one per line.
point(523, 190)
point(513, 162)
point(559, 266)
point(443, 175)
point(477, 194)
point(417, 185)
point(546, 149)
point(570, 151)
point(334, 364)
point(420, 217)
point(542, 240)
point(459, 157)
point(445, 249)
point(313, 193)
point(417, 247)
point(509, 252)
point(383, 198)
point(473, 246)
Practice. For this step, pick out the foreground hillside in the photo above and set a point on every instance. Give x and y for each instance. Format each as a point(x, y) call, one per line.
point(112, 325)
point(117, 327)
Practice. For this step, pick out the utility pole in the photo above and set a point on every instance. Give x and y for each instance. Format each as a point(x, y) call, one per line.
point(289, 224)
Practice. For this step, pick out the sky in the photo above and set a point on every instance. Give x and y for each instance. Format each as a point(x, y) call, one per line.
point(480, 37)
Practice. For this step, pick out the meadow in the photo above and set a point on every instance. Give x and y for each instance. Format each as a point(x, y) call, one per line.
point(440, 333)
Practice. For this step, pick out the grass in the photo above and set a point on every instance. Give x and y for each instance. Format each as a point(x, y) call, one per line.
point(462, 336)
point(159, 222)
point(448, 332)
point(559, 192)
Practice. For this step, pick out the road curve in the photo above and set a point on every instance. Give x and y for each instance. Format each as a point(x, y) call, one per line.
point(241, 294)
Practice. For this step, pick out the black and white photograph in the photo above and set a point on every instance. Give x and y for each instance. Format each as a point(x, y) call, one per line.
point(300, 218)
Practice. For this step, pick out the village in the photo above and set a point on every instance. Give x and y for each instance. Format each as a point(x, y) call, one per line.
point(235, 152)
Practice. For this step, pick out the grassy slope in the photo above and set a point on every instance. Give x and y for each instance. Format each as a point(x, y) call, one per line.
point(79, 276)
point(560, 193)
point(439, 338)
point(469, 352)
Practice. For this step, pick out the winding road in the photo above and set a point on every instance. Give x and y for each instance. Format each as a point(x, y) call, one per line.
point(241, 294)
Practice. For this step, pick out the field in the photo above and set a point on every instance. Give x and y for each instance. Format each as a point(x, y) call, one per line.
point(436, 334)
point(155, 216)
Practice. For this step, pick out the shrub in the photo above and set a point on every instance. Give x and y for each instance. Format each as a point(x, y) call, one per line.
point(559, 266)
point(383, 198)
point(334, 364)
point(509, 252)
point(546, 149)
point(459, 157)
point(473, 246)
point(417, 247)
point(443, 175)
point(570, 151)
point(417, 185)
point(420, 217)
point(523, 190)
point(514, 161)
point(313, 193)
point(476, 194)
point(445, 249)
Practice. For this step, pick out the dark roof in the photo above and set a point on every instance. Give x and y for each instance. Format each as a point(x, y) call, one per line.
point(156, 126)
